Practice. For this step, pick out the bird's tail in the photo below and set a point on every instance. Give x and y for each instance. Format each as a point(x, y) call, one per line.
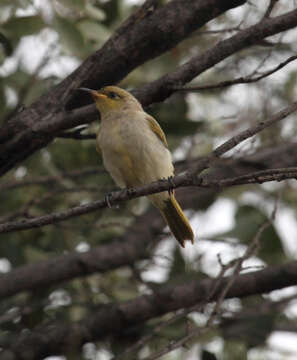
point(174, 217)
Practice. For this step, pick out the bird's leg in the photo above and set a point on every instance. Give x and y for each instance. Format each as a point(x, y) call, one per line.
point(107, 198)
point(130, 191)
point(171, 184)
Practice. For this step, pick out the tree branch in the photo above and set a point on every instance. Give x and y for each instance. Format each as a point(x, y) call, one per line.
point(270, 8)
point(62, 268)
point(112, 319)
point(190, 178)
point(163, 87)
point(240, 80)
point(69, 266)
point(49, 180)
point(147, 34)
point(258, 177)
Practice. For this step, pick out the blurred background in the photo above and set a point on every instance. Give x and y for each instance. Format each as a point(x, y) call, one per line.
point(41, 42)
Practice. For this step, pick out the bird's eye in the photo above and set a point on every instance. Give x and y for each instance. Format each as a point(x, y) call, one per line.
point(113, 95)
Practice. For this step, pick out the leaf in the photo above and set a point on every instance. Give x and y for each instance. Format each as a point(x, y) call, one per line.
point(6, 47)
point(207, 355)
point(2, 98)
point(181, 270)
point(95, 12)
point(13, 5)
point(178, 265)
point(17, 27)
point(71, 38)
point(235, 350)
point(5, 3)
point(172, 117)
point(93, 30)
point(11, 250)
point(77, 5)
point(248, 221)
point(20, 80)
point(17, 79)
point(253, 330)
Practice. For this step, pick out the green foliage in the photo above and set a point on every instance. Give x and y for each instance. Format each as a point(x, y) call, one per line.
point(251, 330)
point(193, 126)
point(17, 27)
point(172, 118)
point(207, 355)
point(70, 37)
point(248, 223)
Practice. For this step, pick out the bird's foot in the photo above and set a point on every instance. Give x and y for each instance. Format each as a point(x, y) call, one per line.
point(130, 191)
point(107, 199)
point(171, 183)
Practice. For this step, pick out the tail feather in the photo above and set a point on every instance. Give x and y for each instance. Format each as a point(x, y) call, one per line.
point(177, 221)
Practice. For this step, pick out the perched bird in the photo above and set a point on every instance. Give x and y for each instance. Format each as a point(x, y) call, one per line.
point(135, 152)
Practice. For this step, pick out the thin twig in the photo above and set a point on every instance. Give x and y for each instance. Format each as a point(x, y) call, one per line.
point(237, 263)
point(270, 8)
point(191, 178)
point(218, 31)
point(257, 177)
point(240, 80)
point(49, 180)
point(76, 134)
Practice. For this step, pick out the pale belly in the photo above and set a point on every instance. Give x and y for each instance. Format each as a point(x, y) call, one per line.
point(133, 154)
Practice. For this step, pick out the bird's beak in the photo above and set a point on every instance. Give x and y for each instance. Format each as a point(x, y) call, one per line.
point(94, 93)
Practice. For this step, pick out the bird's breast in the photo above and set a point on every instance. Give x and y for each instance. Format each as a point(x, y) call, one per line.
point(132, 153)
point(123, 136)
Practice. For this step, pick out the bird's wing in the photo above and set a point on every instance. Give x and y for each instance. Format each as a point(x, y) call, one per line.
point(156, 128)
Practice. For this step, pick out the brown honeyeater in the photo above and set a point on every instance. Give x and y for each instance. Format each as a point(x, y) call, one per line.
point(135, 152)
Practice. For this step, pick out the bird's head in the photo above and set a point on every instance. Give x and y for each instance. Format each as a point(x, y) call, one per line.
point(112, 99)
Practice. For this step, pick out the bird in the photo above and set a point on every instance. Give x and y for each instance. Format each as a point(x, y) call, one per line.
point(135, 152)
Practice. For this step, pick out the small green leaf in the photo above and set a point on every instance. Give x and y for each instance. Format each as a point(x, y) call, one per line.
point(207, 355)
point(172, 117)
point(17, 27)
point(251, 330)
point(2, 98)
point(178, 265)
point(249, 219)
point(93, 30)
point(17, 79)
point(95, 13)
point(71, 37)
point(77, 5)
point(5, 48)
point(5, 3)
